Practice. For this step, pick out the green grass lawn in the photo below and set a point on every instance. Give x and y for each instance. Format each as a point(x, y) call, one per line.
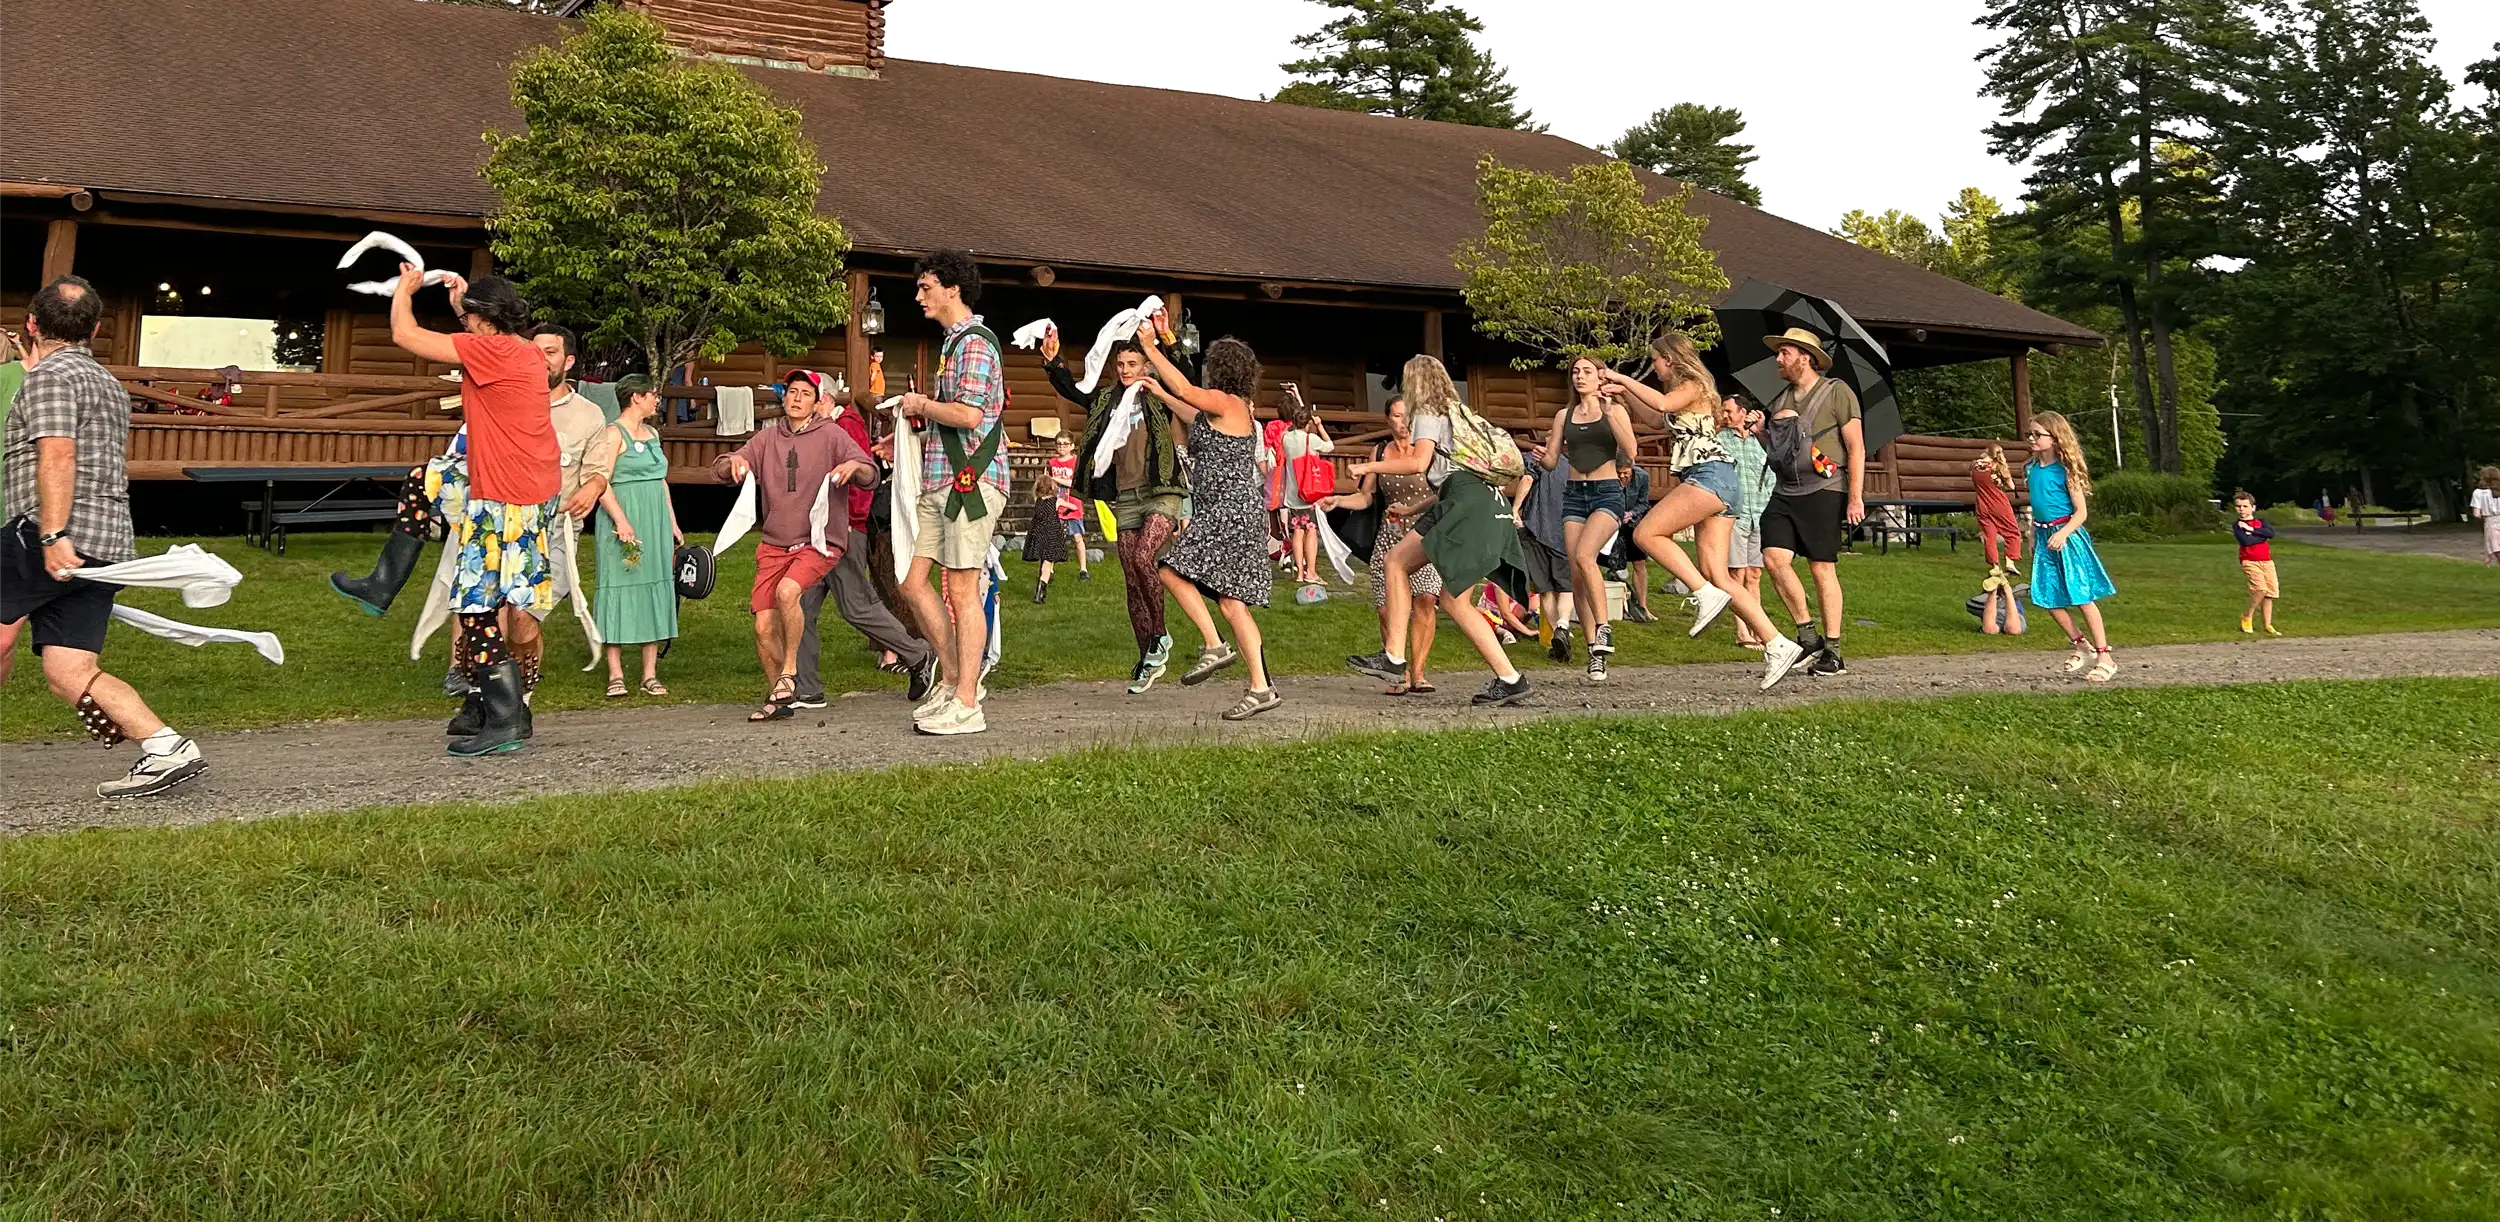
point(342, 663)
point(2204, 954)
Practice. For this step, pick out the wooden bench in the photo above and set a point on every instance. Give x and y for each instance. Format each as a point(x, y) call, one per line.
point(1911, 532)
point(331, 512)
point(2361, 518)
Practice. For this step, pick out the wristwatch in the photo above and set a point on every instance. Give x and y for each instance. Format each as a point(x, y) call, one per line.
point(49, 538)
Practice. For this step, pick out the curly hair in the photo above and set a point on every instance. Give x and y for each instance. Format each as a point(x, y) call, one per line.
point(499, 302)
point(1233, 368)
point(1428, 388)
point(954, 269)
point(2069, 451)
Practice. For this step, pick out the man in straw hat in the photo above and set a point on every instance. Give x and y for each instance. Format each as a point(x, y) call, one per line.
point(1813, 432)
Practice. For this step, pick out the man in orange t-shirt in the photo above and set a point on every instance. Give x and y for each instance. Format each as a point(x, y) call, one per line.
point(513, 480)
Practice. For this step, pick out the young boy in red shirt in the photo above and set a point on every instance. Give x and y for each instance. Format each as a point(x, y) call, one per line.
point(2256, 562)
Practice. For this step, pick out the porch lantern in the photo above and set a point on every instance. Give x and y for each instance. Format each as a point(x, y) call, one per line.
point(1187, 341)
point(872, 317)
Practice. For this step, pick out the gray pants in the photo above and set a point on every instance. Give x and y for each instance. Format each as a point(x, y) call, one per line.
point(855, 600)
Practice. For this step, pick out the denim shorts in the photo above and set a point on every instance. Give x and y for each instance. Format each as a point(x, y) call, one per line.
point(1716, 478)
point(1586, 498)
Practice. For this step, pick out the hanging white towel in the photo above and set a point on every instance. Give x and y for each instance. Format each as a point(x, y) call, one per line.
point(1030, 334)
point(437, 610)
point(733, 411)
point(1340, 557)
point(1122, 326)
point(407, 253)
point(741, 519)
point(205, 580)
point(1124, 420)
point(903, 512)
point(820, 514)
point(264, 643)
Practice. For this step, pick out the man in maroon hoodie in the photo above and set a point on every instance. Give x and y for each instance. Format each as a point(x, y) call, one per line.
point(792, 459)
point(854, 593)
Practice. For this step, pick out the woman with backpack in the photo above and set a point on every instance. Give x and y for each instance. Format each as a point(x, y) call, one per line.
point(1400, 500)
point(1592, 436)
point(1705, 497)
point(1308, 477)
point(1467, 532)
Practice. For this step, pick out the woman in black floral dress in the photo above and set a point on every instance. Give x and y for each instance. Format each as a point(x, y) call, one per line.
point(1223, 553)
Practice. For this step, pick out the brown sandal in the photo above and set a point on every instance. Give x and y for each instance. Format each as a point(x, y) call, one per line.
point(777, 702)
point(653, 687)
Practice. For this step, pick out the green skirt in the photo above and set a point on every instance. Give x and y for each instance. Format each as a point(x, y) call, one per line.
point(1472, 536)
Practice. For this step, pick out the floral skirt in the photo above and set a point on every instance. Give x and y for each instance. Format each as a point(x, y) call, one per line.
point(503, 558)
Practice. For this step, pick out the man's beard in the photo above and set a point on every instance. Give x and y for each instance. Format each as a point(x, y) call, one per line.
point(555, 378)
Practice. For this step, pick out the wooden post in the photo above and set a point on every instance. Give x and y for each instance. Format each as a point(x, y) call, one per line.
point(2022, 392)
point(60, 249)
point(481, 263)
point(1432, 335)
point(1172, 310)
point(855, 362)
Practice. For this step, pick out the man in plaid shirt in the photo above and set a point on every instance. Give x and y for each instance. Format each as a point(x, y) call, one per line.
point(964, 486)
point(67, 496)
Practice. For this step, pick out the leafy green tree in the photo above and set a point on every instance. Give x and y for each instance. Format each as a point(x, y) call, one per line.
point(2358, 334)
point(1410, 58)
point(1585, 263)
point(1896, 233)
point(662, 202)
point(2111, 101)
point(1692, 143)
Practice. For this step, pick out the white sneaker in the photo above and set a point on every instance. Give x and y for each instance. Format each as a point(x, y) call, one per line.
point(954, 719)
point(1707, 606)
point(1777, 657)
point(156, 772)
point(941, 696)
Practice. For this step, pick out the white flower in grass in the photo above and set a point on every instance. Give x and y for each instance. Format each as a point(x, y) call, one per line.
point(1954, 1140)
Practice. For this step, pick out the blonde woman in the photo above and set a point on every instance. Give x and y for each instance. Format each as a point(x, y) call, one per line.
point(2066, 572)
point(1591, 439)
point(1401, 499)
point(1466, 531)
point(1706, 497)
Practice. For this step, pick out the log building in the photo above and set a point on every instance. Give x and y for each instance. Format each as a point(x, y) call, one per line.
point(214, 157)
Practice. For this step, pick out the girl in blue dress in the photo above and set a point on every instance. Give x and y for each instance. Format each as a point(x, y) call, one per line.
point(2066, 572)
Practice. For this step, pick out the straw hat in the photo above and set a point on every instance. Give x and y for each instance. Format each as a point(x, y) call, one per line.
point(1804, 339)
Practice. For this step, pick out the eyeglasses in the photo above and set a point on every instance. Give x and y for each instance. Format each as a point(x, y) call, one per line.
point(2039, 433)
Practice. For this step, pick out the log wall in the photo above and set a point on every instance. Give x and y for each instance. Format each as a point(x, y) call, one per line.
point(819, 34)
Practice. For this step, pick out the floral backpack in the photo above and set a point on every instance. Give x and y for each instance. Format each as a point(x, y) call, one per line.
point(1483, 449)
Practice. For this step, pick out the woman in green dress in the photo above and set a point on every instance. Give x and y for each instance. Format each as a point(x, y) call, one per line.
point(636, 602)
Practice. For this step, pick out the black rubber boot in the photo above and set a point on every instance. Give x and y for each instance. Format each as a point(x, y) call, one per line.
point(500, 730)
point(471, 716)
point(375, 592)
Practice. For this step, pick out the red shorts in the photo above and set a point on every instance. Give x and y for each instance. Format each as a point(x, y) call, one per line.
point(802, 564)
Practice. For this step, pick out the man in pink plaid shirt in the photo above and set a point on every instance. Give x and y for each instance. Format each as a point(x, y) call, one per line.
point(963, 489)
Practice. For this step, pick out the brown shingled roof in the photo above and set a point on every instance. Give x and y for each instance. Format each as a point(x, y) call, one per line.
point(377, 105)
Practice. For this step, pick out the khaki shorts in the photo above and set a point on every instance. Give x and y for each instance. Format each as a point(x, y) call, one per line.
point(1129, 512)
point(2261, 578)
point(957, 543)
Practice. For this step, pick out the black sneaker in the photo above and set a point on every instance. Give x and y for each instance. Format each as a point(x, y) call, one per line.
point(1602, 641)
point(924, 677)
point(1041, 591)
point(812, 701)
point(1829, 664)
point(1560, 650)
point(1377, 666)
point(1505, 694)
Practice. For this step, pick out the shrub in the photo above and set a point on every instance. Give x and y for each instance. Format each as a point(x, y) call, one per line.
point(2142, 492)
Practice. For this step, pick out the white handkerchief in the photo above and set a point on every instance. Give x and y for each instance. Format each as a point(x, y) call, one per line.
point(1340, 556)
point(903, 511)
point(1030, 334)
point(264, 643)
point(741, 519)
point(407, 253)
point(1124, 420)
point(1121, 326)
point(205, 580)
point(818, 515)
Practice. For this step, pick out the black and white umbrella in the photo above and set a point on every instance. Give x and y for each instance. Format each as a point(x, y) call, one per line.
point(1759, 310)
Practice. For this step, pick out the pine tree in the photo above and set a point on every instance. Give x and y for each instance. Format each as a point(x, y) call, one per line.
point(1410, 58)
point(2112, 101)
point(1695, 144)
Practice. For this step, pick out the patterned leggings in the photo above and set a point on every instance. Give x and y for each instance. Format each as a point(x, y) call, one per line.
point(416, 509)
point(1138, 549)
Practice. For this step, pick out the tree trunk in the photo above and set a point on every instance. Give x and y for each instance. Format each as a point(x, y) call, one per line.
point(2436, 501)
point(2167, 453)
point(2133, 318)
point(2165, 446)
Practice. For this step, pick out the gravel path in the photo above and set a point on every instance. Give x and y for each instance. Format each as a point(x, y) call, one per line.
point(333, 766)
point(2450, 539)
